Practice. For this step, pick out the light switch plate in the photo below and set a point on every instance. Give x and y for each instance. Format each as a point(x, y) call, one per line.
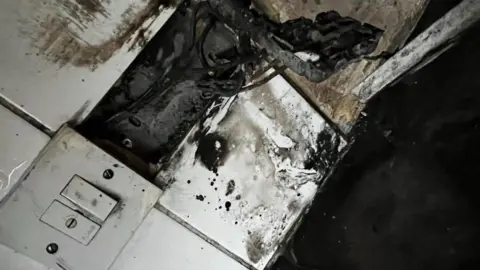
point(69, 154)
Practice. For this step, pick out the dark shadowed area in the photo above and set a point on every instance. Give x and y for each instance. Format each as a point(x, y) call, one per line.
point(406, 195)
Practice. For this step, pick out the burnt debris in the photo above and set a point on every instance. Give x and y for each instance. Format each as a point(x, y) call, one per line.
point(183, 70)
point(333, 40)
point(326, 154)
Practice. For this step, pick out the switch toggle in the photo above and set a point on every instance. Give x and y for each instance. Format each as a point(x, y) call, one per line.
point(89, 198)
point(70, 222)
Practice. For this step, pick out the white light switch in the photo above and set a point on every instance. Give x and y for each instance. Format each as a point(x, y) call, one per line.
point(70, 222)
point(89, 198)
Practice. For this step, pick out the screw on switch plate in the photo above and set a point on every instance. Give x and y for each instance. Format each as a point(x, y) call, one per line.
point(71, 223)
point(52, 248)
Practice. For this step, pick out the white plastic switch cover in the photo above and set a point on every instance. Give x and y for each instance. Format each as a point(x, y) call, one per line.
point(92, 200)
point(69, 222)
point(66, 155)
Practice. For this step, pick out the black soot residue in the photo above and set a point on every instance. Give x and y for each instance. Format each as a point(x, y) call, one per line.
point(228, 205)
point(200, 197)
point(326, 154)
point(212, 151)
point(255, 246)
point(230, 187)
point(202, 130)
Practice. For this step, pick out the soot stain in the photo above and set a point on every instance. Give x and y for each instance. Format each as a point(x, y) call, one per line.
point(212, 151)
point(197, 135)
point(230, 187)
point(92, 6)
point(202, 130)
point(81, 11)
point(200, 197)
point(78, 195)
point(228, 205)
point(327, 153)
point(61, 45)
point(255, 246)
point(294, 206)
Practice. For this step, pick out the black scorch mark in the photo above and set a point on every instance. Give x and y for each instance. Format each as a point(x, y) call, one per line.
point(230, 187)
point(228, 205)
point(202, 130)
point(200, 197)
point(212, 151)
point(327, 152)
